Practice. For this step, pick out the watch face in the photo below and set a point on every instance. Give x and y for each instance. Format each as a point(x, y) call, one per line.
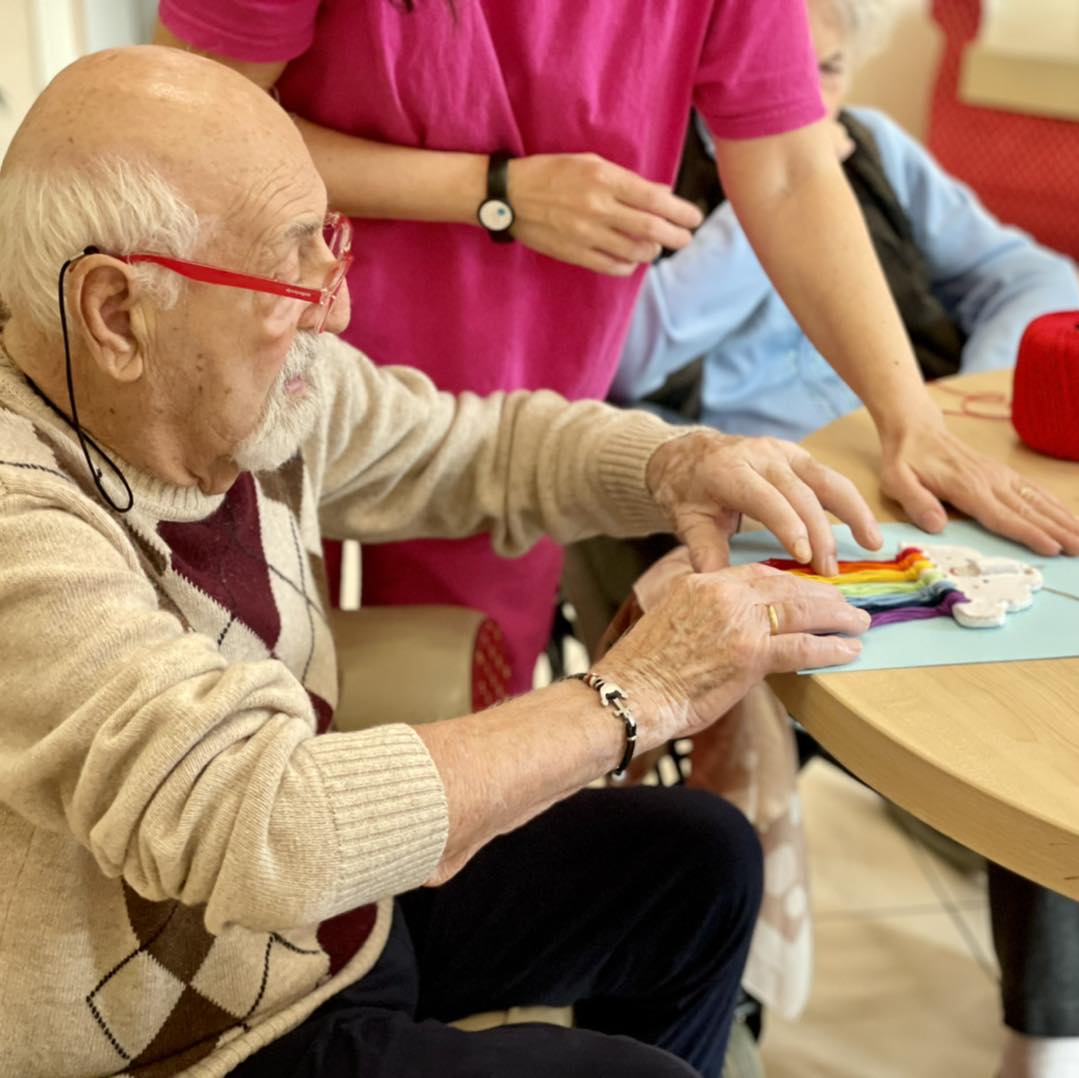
point(496, 215)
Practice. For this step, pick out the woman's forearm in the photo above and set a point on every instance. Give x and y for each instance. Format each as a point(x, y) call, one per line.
point(375, 179)
point(799, 213)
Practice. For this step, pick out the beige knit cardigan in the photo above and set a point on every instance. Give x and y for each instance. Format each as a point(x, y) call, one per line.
point(186, 869)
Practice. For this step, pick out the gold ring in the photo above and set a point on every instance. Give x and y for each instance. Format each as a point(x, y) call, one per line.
point(1028, 493)
point(773, 619)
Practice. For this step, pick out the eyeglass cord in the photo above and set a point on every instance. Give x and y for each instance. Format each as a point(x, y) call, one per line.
point(85, 441)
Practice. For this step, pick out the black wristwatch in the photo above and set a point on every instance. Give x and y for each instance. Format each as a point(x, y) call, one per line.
point(495, 212)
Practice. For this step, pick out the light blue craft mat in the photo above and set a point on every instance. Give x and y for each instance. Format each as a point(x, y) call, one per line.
point(1047, 630)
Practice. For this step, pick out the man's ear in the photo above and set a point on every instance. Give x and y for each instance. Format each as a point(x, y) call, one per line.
point(102, 295)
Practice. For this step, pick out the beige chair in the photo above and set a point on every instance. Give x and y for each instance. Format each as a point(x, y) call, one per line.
point(416, 664)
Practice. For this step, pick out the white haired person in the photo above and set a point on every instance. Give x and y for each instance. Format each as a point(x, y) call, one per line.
point(202, 876)
point(966, 287)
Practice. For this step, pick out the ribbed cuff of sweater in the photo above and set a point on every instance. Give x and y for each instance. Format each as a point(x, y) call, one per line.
point(623, 463)
point(389, 809)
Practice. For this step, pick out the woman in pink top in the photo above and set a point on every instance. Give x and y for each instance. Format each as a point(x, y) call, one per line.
point(401, 110)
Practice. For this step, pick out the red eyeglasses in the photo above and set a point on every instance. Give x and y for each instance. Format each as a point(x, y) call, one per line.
point(337, 234)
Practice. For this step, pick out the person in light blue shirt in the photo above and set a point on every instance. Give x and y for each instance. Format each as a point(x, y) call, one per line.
point(761, 374)
point(966, 287)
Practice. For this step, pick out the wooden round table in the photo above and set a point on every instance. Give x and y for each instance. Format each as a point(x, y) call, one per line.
point(986, 753)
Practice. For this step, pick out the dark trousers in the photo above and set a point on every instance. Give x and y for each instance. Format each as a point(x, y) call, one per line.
point(1036, 935)
point(636, 906)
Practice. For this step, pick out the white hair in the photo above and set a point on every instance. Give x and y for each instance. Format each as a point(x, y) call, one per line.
point(48, 215)
point(865, 22)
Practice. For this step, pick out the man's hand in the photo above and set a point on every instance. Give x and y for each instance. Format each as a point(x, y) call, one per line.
point(705, 481)
point(711, 638)
point(926, 464)
point(589, 212)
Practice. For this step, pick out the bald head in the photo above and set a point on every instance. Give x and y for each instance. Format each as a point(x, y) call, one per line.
point(208, 131)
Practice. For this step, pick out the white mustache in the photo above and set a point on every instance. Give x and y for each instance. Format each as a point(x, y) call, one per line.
point(299, 357)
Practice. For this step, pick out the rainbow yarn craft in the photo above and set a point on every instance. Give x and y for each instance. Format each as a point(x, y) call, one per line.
point(932, 581)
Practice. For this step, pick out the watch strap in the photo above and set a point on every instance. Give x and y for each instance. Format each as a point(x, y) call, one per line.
point(498, 190)
point(498, 169)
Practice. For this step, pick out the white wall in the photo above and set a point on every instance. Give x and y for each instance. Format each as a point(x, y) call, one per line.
point(109, 23)
point(17, 78)
point(1042, 29)
point(39, 37)
point(28, 57)
point(1026, 58)
point(899, 79)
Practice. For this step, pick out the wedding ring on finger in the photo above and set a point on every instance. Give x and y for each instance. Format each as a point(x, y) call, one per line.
point(773, 618)
point(1028, 493)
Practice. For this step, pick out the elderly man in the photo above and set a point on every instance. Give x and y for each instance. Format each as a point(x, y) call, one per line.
point(195, 882)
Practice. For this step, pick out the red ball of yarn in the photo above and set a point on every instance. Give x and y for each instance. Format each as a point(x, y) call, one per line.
point(1045, 395)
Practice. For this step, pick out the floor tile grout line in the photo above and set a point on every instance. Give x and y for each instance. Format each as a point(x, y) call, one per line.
point(815, 1048)
point(868, 913)
point(926, 860)
point(923, 857)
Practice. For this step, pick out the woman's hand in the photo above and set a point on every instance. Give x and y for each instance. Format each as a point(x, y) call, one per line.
point(589, 212)
point(705, 481)
point(711, 638)
point(925, 464)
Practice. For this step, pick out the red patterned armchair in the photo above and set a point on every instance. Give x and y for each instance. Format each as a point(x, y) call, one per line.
point(1025, 168)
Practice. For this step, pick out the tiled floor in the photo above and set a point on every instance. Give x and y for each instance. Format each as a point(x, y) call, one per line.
point(905, 983)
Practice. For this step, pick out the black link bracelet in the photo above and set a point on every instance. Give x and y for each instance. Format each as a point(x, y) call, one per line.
point(610, 695)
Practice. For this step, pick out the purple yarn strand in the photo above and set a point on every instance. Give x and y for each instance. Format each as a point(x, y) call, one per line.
point(918, 613)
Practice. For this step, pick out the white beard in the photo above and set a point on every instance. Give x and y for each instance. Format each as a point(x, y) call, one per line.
point(287, 419)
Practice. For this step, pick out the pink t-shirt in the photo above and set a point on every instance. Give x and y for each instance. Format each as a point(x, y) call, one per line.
point(613, 77)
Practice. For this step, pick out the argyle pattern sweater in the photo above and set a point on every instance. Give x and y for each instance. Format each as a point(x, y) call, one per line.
point(192, 859)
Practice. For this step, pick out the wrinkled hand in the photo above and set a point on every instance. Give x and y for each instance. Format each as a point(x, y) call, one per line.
point(709, 640)
point(705, 480)
point(927, 464)
point(584, 210)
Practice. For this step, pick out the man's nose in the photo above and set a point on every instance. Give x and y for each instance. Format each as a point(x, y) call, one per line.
point(340, 312)
point(334, 320)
